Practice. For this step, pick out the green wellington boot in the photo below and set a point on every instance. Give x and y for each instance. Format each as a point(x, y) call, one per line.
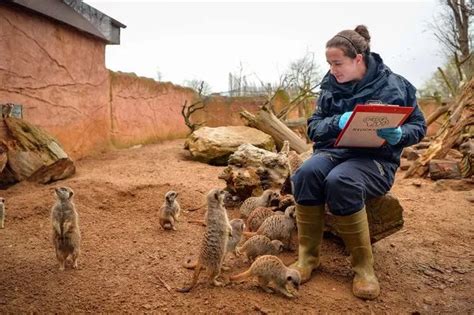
point(354, 230)
point(310, 222)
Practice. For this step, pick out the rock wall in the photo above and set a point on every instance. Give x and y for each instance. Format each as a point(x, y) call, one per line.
point(59, 76)
point(144, 111)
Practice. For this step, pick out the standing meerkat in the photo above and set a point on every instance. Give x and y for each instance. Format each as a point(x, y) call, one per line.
point(2, 213)
point(265, 200)
point(259, 245)
point(65, 221)
point(169, 211)
point(238, 227)
point(214, 242)
point(278, 227)
point(270, 269)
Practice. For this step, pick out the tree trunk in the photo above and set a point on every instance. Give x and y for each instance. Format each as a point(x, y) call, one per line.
point(32, 154)
point(267, 122)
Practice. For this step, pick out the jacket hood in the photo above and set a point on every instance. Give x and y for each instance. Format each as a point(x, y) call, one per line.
point(376, 75)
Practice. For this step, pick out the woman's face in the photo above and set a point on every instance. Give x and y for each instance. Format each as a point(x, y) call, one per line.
point(344, 68)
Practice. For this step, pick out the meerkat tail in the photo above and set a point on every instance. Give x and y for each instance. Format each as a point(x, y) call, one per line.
point(190, 264)
point(201, 222)
point(197, 271)
point(241, 276)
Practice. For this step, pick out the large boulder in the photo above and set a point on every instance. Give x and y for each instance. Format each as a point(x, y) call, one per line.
point(215, 145)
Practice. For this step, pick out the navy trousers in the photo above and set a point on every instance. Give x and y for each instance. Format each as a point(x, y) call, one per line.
point(343, 180)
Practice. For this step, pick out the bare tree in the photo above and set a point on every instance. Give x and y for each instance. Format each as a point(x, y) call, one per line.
point(198, 85)
point(188, 110)
point(300, 81)
point(452, 30)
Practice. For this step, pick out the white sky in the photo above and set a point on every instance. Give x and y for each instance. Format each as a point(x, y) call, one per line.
point(207, 40)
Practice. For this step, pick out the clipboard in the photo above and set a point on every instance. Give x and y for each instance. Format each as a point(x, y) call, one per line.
point(361, 128)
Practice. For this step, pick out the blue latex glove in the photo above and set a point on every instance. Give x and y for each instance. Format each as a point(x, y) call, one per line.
point(392, 135)
point(343, 119)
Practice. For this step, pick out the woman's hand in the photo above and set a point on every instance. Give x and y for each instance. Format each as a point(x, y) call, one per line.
point(392, 135)
point(343, 119)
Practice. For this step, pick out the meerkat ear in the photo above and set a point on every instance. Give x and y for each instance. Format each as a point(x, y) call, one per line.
point(2, 200)
point(216, 195)
point(289, 278)
point(71, 193)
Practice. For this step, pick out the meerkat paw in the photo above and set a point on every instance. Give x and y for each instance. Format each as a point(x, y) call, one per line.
point(225, 268)
point(61, 267)
point(218, 283)
point(266, 289)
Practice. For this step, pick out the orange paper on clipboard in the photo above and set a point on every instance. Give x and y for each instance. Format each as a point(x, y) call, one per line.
point(361, 128)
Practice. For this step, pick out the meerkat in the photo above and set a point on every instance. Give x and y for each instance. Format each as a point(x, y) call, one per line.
point(265, 200)
point(65, 222)
point(2, 213)
point(169, 211)
point(278, 227)
point(259, 245)
point(214, 242)
point(238, 227)
point(285, 202)
point(258, 215)
point(270, 269)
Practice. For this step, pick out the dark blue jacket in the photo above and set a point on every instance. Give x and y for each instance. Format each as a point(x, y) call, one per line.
point(379, 84)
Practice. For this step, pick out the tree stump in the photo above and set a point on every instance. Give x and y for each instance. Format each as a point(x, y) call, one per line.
point(31, 154)
point(385, 216)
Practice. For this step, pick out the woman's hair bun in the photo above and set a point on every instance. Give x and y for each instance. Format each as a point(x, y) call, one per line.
point(363, 31)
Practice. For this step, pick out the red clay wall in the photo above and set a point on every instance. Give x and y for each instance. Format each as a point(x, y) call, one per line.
point(143, 110)
point(58, 74)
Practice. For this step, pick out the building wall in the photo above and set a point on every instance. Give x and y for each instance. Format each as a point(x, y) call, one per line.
point(59, 76)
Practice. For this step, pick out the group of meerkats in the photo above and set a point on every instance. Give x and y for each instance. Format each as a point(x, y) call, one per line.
point(269, 233)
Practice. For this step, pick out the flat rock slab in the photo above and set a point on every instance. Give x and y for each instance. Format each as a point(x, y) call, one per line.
point(215, 145)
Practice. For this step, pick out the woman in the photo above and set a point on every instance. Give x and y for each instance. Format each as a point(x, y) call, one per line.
point(343, 178)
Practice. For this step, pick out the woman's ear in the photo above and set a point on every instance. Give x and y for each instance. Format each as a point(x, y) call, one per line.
point(359, 58)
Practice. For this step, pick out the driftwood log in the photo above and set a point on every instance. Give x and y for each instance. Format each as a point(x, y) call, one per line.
point(267, 122)
point(31, 154)
point(450, 134)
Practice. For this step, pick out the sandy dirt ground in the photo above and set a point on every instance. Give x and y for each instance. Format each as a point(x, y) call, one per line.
point(127, 261)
